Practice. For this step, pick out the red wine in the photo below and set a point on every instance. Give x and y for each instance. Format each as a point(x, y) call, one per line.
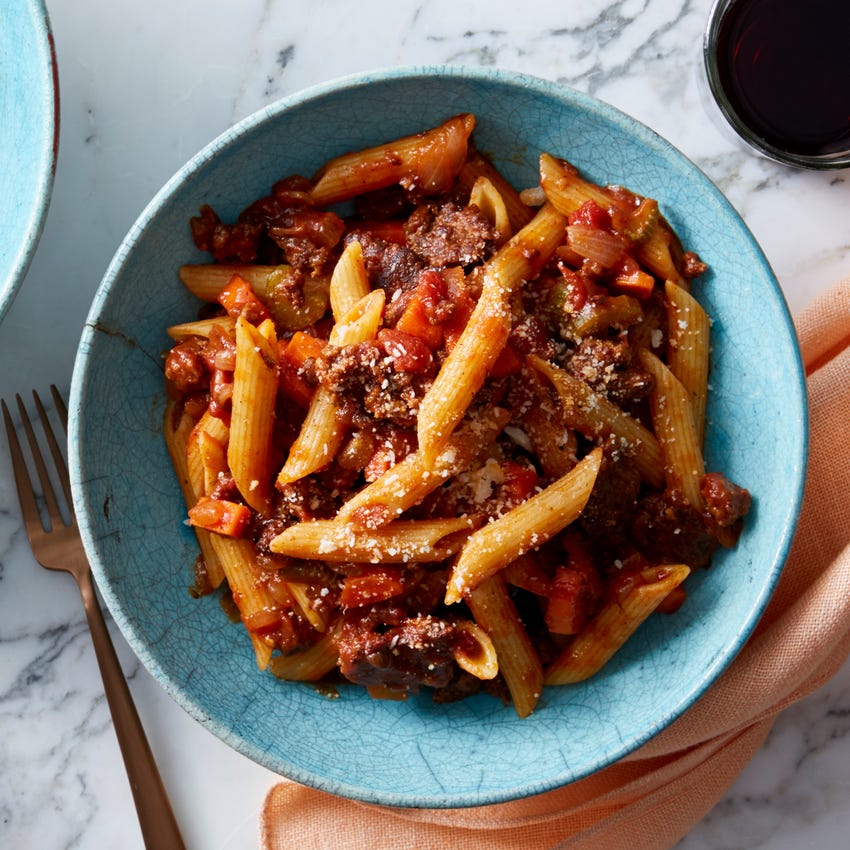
point(784, 66)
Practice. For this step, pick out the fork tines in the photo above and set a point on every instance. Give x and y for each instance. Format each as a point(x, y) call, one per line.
point(26, 491)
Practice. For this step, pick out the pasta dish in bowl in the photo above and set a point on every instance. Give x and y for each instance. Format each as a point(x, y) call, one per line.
point(456, 418)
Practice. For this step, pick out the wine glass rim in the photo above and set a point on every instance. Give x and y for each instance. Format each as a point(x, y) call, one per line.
point(833, 160)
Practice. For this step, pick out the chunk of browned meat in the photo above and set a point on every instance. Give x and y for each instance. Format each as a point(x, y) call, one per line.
point(449, 235)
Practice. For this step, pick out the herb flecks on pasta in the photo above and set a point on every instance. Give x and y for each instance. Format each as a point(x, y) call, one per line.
point(437, 431)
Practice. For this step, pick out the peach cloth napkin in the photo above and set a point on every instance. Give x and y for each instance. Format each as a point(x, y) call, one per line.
point(651, 798)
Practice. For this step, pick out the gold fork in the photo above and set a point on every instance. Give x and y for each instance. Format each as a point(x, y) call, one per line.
point(56, 545)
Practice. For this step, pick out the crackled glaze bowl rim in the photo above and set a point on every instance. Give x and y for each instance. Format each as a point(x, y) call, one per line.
point(30, 136)
point(504, 759)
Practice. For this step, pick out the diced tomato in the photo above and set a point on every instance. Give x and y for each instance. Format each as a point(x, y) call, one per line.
point(220, 516)
point(591, 214)
point(238, 298)
point(520, 481)
point(507, 363)
point(419, 316)
point(409, 353)
point(293, 355)
point(390, 230)
point(373, 584)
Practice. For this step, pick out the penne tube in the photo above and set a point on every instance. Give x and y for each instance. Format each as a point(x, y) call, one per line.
point(256, 606)
point(527, 526)
point(477, 165)
point(206, 281)
point(688, 354)
point(308, 665)
point(482, 340)
point(519, 664)
point(349, 281)
point(410, 480)
point(568, 190)
point(594, 416)
point(427, 161)
point(673, 419)
point(298, 590)
point(474, 651)
point(202, 327)
point(491, 204)
point(612, 626)
point(399, 542)
point(249, 450)
point(361, 322)
point(177, 431)
point(197, 464)
point(322, 433)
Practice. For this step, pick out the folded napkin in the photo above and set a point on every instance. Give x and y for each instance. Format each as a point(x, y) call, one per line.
point(651, 798)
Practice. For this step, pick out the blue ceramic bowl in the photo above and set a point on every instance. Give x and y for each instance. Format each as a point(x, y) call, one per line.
point(29, 131)
point(415, 753)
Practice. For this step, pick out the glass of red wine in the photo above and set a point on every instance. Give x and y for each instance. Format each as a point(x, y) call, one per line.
point(779, 70)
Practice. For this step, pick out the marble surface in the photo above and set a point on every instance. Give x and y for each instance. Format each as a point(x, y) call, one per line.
point(143, 87)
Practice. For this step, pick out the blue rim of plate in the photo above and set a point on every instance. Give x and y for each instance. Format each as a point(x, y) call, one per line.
point(29, 137)
point(124, 617)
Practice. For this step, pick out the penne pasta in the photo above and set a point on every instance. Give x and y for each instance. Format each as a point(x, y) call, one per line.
point(527, 526)
point(465, 369)
point(256, 606)
point(673, 418)
point(349, 282)
point(519, 664)
point(489, 201)
point(408, 482)
point(428, 162)
point(322, 431)
point(476, 166)
point(615, 623)
point(308, 665)
point(596, 417)
point(689, 330)
point(474, 467)
point(568, 191)
point(474, 651)
point(249, 449)
point(177, 430)
point(398, 542)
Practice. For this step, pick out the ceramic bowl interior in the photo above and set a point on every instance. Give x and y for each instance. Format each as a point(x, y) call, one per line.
point(416, 753)
point(28, 137)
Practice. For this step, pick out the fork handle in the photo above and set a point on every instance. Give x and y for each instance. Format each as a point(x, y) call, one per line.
point(156, 818)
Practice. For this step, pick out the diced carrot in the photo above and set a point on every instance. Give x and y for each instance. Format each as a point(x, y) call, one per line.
point(634, 281)
point(374, 584)
point(575, 591)
point(238, 298)
point(302, 346)
point(293, 355)
point(220, 516)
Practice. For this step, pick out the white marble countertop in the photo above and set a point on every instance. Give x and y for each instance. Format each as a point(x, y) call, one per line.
point(144, 85)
